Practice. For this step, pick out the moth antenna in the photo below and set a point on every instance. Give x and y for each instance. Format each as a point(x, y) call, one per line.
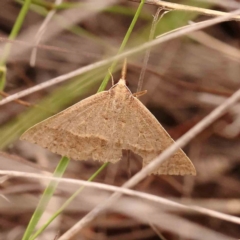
point(124, 69)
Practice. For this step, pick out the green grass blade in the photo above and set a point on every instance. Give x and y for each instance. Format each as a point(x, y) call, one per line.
point(15, 30)
point(46, 197)
point(59, 211)
point(3, 71)
point(124, 42)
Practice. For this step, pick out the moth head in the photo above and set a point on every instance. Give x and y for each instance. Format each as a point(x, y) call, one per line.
point(122, 82)
point(120, 87)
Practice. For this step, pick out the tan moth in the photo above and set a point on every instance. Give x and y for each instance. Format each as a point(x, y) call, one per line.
point(101, 126)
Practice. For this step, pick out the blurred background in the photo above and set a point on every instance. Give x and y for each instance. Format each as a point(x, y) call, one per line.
point(186, 79)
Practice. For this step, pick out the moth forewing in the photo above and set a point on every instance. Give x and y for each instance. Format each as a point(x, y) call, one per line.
point(101, 126)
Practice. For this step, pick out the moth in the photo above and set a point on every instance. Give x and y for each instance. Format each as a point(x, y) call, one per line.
point(102, 125)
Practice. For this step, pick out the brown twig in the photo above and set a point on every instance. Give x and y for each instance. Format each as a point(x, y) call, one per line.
point(24, 103)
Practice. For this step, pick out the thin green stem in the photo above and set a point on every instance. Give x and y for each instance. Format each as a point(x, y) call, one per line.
point(59, 211)
point(3, 71)
point(124, 42)
point(15, 30)
point(46, 197)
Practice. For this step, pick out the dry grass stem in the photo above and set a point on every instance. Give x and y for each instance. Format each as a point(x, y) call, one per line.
point(71, 16)
point(159, 200)
point(224, 3)
point(148, 51)
point(176, 6)
point(211, 42)
point(41, 31)
point(102, 63)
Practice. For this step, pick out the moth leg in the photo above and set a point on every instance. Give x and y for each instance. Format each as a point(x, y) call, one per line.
point(139, 94)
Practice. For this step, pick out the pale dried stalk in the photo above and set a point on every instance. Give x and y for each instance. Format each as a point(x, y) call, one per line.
point(70, 16)
point(147, 54)
point(224, 3)
point(102, 63)
point(176, 6)
point(40, 33)
point(156, 230)
point(211, 42)
point(169, 222)
point(134, 193)
point(49, 48)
